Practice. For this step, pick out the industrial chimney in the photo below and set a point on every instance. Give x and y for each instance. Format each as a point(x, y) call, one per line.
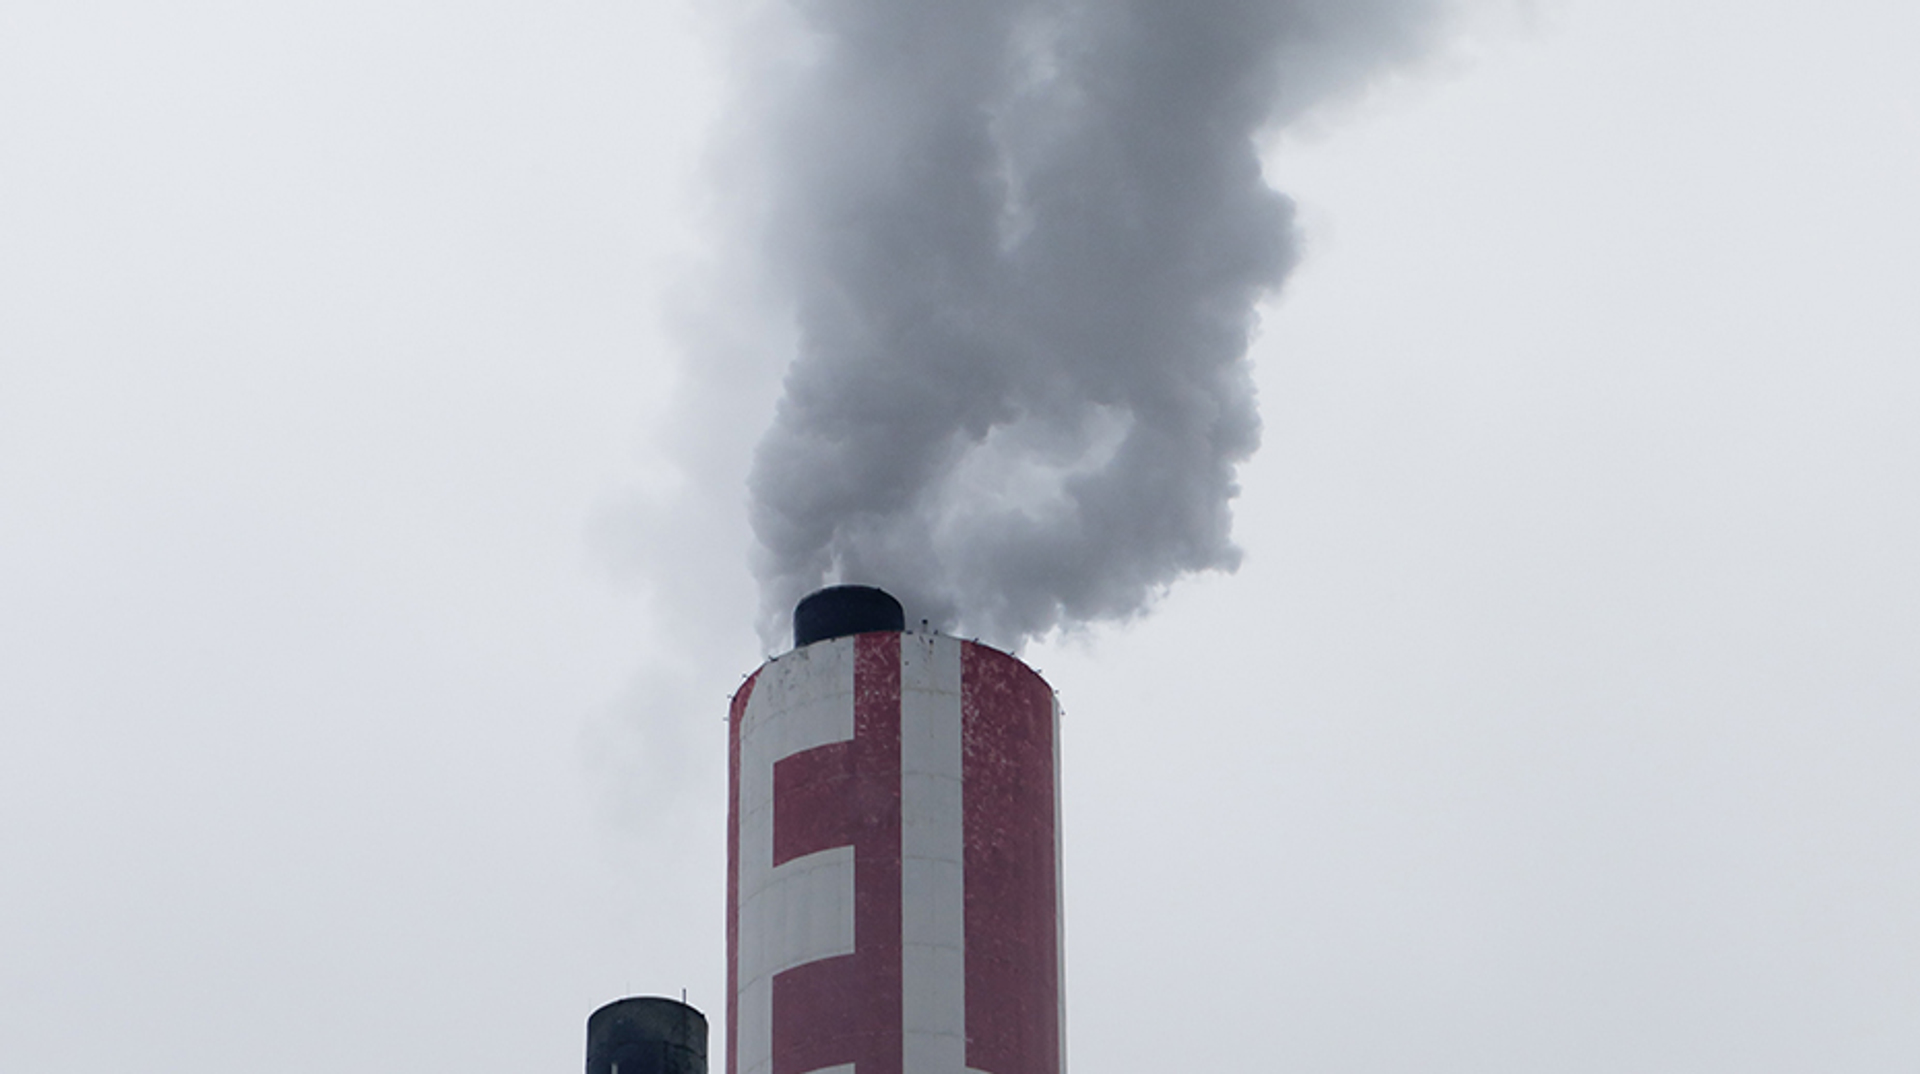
point(646, 1035)
point(893, 888)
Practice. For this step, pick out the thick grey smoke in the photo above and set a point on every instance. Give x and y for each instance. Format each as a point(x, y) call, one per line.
point(1025, 242)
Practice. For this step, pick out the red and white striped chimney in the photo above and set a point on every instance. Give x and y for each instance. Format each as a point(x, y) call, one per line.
point(893, 860)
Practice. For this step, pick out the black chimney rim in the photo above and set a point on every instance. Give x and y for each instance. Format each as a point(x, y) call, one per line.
point(842, 610)
point(667, 1029)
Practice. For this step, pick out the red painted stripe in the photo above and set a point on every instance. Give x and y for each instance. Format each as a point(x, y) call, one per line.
point(819, 1015)
point(848, 1009)
point(736, 715)
point(1012, 897)
point(812, 792)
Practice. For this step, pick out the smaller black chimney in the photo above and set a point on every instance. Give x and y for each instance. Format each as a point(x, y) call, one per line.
point(840, 610)
point(646, 1035)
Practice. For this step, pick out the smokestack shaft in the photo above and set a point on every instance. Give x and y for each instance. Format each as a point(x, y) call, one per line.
point(893, 862)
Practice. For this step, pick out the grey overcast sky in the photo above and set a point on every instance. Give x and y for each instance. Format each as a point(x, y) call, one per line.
point(373, 556)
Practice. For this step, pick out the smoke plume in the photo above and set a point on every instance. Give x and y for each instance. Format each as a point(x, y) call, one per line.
point(1025, 241)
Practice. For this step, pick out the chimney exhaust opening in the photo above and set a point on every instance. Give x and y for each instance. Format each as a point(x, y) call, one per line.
point(841, 610)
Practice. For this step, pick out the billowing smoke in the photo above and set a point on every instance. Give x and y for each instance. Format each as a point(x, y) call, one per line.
point(1025, 241)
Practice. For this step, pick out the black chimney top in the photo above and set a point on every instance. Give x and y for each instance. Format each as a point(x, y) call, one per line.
point(646, 1035)
point(840, 610)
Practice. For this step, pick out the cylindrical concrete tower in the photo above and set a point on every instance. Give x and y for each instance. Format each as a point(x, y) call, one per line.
point(893, 862)
point(646, 1035)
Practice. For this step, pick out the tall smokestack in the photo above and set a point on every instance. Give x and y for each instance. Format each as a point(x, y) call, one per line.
point(646, 1035)
point(893, 888)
